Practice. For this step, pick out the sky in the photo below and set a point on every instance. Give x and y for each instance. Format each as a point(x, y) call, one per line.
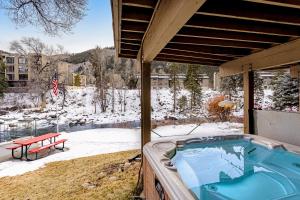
point(94, 29)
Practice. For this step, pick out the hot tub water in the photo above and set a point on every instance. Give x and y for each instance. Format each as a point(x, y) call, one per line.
point(238, 169)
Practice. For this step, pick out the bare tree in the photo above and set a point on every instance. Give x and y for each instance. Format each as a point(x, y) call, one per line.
point(43, 62)
point(53, 16)
point(120, 100)
point(174, 71)
point(98, 60)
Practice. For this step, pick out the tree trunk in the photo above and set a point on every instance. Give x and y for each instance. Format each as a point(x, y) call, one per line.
point(174, 93)
point(43, 99)
point(124, 100)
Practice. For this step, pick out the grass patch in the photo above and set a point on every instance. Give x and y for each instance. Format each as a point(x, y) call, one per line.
point(106, 176)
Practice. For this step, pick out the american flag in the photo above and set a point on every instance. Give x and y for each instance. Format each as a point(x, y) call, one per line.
point(55, 84)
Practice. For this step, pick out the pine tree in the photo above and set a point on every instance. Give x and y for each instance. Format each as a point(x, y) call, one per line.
point(285, 94)
point(77, 81)
point(258, 91)
point(192, 84)
point(182, 103)
point(3, 81)
point(232, 85)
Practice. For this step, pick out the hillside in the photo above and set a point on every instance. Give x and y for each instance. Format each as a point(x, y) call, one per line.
point(85, 56)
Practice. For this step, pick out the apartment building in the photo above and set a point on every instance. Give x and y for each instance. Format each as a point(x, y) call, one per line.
point(17, 70)
point(160, 81)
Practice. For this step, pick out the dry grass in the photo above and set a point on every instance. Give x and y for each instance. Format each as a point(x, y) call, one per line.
point(105, 174)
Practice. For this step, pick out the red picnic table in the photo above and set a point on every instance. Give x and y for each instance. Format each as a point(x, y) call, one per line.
point(25, 144)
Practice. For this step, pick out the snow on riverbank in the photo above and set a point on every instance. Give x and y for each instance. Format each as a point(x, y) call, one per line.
point(100, 141)
point(80, 107)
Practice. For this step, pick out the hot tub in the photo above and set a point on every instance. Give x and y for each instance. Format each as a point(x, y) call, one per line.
point(243, 167)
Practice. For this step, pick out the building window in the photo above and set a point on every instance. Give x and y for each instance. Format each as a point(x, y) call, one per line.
point(10, 77)
point(22, 60)
point(10, 60)
point(23, 69)
point(23, 77)
point(10, 69)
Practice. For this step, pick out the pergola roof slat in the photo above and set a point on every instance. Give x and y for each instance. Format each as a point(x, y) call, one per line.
point(209, 49)
point(240, 25)
point(231, 35)
point(136, 14)
point(198, 31)
point(219, 42)
point(189, 61)
point(251, 11)
point(282, 3)
point(131, 35)
point(134, 26)
point(192, 57)
point(140, 3)
point(197, 55)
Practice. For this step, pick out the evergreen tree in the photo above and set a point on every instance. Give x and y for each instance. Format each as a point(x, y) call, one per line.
point(3, 81)
point(192, 84)
point(182, 103)
point(77, 81)
point(232, 85)
point(258, 91)
point(285, 94)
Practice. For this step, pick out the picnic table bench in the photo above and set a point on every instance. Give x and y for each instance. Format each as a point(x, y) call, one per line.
point(25, 145)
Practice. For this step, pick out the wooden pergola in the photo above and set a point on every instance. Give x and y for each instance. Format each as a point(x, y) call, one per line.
point(239, 36)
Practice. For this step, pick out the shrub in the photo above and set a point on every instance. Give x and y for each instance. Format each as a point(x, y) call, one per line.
point(221, 112)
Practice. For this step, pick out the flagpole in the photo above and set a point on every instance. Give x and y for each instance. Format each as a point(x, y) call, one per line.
point(57, 130)
point(55, 90)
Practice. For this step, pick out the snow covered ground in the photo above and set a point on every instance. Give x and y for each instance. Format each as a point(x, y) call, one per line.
point(80, 107)
point(100, 141)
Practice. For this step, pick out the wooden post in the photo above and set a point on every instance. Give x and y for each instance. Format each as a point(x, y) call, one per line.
point(145, 102)
point(248, 79)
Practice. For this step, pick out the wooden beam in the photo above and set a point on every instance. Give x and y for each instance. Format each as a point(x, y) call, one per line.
point(248, 84)
point(210, 49)
point(140, 3)
point(116, 9)
point(167, 55)
point(285, 3)
point(295, 72)
point(131, 35)
point(195, 55)
point(184, 58)
point(169, 17)
point(219, 42)
point(251, 11)
point(127, 56)
point(285, 54)
point(129, 46)
point(131, 42)
point(138, 27)
point(232, 35)
point(145, 103)
point(189, 61)
point(136, 14)
point(240, 25)
point(133, 52)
